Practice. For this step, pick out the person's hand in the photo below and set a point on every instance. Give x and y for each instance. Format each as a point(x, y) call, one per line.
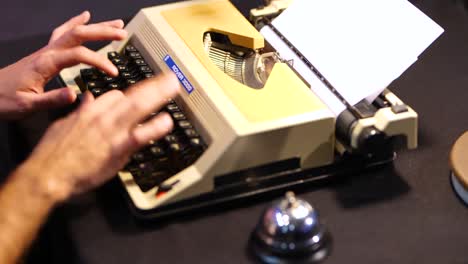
point(89, 146)
point(22, 83)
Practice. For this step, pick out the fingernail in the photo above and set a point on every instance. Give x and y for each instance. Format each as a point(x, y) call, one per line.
point(168, 124)
point(121, 22)
point(68, 95)
point(123, 33)
point(115, 71)
point(86, 13)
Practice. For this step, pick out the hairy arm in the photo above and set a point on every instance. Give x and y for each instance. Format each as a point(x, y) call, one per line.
point(78, 153)
point(25, 199)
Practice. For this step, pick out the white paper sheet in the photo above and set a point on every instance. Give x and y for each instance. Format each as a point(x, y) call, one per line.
point(319, 88)
point(360, 46)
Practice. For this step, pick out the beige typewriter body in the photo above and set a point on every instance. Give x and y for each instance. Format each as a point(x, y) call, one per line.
point(243, 127)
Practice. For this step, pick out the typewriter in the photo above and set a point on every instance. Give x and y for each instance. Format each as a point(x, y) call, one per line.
point(246, 122)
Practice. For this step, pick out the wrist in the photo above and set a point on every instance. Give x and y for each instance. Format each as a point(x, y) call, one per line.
point(43, 182)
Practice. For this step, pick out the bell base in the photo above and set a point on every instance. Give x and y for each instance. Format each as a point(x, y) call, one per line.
point(459, 189)
point(261, 252)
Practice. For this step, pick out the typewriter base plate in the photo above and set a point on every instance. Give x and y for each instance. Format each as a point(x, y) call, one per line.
point(268, 181)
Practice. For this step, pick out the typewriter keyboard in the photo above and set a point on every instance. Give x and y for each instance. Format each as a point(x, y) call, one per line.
point(161, 159)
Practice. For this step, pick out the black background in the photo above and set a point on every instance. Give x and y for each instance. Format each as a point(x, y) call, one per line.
point(403, 213)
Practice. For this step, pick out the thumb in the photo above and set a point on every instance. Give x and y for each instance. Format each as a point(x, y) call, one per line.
point(52, 99)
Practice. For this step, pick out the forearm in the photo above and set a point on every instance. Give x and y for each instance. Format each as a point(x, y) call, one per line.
point(25, 200)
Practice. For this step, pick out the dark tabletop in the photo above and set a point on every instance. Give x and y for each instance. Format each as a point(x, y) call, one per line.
point(402, 213)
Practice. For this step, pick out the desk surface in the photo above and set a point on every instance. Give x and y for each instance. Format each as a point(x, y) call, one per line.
point(403, 213)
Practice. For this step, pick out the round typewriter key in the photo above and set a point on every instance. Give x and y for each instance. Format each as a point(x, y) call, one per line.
point(138, 156)
point(112, 55)
point(118, 61)
point(130, 48)
point(175, 147)
point(459, 166)
point(122, 68)
point(126, 75)
point(172, 108)
point(114, 86)
point(109, 79)
point(134, 55)
point(195, 142)
point(191, 133)
point(97, 91)
point(145, 69)
point(184, 124)
point(178, 116)
point(140, 62)
point(157, 151)
point(92, 85)
point(170, 138)
point(131, 82)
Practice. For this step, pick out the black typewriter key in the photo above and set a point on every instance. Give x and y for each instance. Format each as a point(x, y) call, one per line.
point(175, 147)
point(184, 124)
point(94, 84)
point(134, 55)
point(148, 75)
point(189, 159)
point(144, 166)
point(144, 186)
point(165, 187)
point(145, 69)
point(170, 139)
point(130, 48)
point(150, 166)
point(178, 116)
point(90, 77)
point(114, 86)
point(86, 72)
point(196, 142)
point(191, 133)
point(157, 152)
point(160, 159)
point(172, 108)
point(153, 179)
point(161, 163)
point(159, 176)
point(97, 91)
point(140, 62)
point(126, 75)
point(138, 157)
point(112, 55)
point(109, 79)
point(131, 82)
point(122, 68)
point(118, 61)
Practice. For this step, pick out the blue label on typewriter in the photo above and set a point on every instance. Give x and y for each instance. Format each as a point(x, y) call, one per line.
point(183, 80)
